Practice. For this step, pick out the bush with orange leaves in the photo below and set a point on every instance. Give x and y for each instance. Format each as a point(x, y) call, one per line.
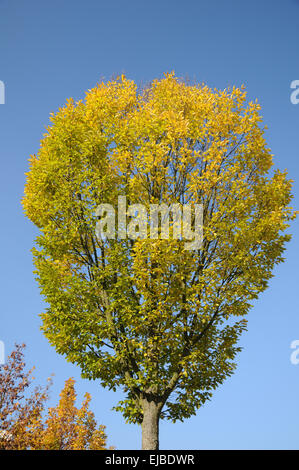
point(25, 424)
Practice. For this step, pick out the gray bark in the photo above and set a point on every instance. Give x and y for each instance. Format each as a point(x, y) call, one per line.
point(150, 425)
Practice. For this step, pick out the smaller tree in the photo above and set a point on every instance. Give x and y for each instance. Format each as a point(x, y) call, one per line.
point(18, 409)
point(26, 424)
point(69, 428)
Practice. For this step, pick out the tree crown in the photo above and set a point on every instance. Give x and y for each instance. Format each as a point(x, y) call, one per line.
point(144, 314)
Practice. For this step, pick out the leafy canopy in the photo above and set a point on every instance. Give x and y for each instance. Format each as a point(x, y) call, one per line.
point(159, 321)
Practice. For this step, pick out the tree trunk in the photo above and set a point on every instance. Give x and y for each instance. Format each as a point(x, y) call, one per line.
point(150, 425)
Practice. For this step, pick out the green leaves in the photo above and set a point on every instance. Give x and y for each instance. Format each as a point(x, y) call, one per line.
point(147, 315)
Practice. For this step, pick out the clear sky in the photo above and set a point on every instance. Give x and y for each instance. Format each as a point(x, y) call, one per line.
point(50, 51)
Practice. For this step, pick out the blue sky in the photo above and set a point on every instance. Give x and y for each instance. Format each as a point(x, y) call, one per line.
point(50, 51)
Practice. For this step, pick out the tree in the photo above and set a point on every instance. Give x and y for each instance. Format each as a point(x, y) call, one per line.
point(145, 314)
point(25, 424)
point(68, 428)
point(20, 408)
